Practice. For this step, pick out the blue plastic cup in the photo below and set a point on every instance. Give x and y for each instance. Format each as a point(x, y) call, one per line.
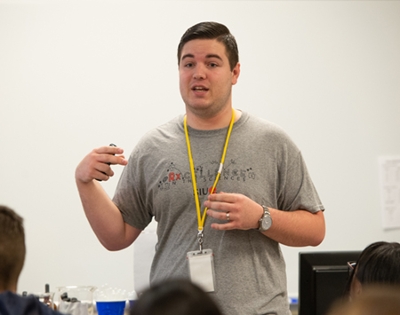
point(110, 307)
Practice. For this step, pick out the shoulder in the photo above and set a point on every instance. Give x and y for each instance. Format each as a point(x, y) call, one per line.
point(172, 126)
point(167, 130)
point(160, 136)
point(263, 129)
point(15, 304)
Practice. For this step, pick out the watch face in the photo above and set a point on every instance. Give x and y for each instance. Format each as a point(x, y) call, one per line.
point(266, 223)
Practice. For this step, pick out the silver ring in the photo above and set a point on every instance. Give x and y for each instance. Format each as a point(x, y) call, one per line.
point(227, 217)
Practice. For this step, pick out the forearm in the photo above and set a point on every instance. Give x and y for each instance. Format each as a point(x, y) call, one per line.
point(104, 217)
point(291, 228)
point(297, 228)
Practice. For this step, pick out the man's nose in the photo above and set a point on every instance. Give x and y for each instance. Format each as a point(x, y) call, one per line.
point(199, 73)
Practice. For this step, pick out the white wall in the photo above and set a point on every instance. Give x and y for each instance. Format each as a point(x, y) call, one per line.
point(77, 75)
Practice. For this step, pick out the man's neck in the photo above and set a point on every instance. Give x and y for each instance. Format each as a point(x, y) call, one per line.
point(221, 120)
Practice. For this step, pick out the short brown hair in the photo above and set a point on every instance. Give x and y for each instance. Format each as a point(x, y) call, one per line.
point(212, 30)
point(12, 247)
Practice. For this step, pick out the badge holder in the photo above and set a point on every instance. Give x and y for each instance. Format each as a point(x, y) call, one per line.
point(201, 266)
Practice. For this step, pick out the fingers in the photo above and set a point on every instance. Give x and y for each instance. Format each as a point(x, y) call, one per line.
point(244, 213)
point(222, 202)
point(222, 197)
point(103, 171)
point(221, 215)
point(228, 222)
point(96, 165)
point(223, 209)
point(110, 155)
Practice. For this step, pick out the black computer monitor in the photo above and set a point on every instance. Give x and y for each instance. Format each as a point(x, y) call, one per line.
point(322, 279)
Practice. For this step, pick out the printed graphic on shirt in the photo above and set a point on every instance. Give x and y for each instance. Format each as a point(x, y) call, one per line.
point(175, 177)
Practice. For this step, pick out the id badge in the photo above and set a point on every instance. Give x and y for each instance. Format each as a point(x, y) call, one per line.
point(201, 268)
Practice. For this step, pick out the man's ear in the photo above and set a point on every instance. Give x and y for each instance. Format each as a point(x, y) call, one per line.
point(356, 288)
point(235, 73)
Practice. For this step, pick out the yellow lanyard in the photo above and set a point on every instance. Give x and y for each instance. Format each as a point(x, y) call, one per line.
point(201, 218)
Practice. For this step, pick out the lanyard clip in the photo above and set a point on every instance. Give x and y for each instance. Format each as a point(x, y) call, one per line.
point(200, 239)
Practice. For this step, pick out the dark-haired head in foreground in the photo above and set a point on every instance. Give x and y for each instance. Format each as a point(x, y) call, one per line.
point(175, 297)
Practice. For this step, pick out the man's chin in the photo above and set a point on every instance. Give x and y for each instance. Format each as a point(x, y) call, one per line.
point(199, 107)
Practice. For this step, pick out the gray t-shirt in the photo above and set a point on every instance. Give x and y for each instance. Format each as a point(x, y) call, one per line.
point(262, 163)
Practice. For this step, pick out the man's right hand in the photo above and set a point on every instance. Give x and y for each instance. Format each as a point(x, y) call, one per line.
point(96, 165)
point(103, 215)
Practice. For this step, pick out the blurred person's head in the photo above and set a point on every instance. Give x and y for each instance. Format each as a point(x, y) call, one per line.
point(373, 300)
point(12, 248)
point(175, 297)
point(379, 263)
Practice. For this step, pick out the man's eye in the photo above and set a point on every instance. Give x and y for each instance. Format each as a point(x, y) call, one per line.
point(189, 65)
point(212, 65)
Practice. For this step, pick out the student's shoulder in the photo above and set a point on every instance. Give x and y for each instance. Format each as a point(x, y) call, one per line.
point(15, 304)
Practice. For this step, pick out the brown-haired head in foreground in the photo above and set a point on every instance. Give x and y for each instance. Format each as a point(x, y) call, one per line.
point(379, 263)
point(12, 248)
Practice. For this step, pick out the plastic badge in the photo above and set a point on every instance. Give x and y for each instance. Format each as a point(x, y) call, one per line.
point(201, 268)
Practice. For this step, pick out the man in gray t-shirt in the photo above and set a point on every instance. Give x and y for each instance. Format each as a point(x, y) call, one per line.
point(225, 187)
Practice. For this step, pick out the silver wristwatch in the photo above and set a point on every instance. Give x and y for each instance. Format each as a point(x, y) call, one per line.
point(265, 221)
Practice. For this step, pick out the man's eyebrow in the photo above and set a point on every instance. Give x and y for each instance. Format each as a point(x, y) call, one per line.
point(213, 56)
point(187, 56)
point(207, 56)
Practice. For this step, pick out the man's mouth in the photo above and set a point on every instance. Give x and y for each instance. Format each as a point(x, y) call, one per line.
point(199, 88)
